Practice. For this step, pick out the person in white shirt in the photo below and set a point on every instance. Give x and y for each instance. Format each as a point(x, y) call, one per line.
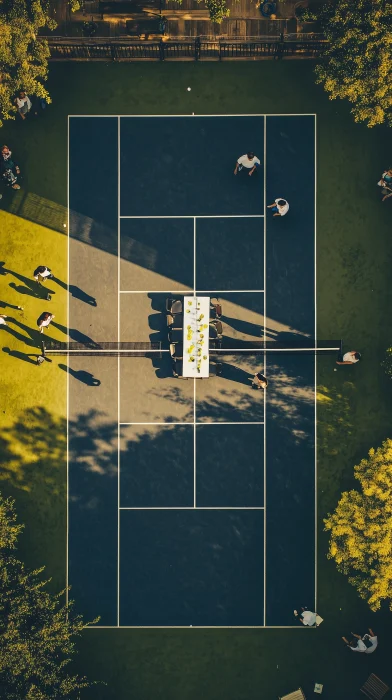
point(357, 645)
point(23, 104)
point(280, 207)
point(349, 358)
point(42, 273)
point(307, 617)
point(2, 320)
point(371, 640)
point(248, 161)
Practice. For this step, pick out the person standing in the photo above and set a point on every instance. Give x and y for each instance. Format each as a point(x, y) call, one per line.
point(44, 320)
point(259, 381)
point(2, 320)
point(42, 273)
point(280, 207)
point(23, 104)
point(372, 640)
point(247, 161)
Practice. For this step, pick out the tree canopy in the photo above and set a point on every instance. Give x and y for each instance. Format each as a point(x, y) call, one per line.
point(357, 65)
point(36, 631)
point(23, 56)
point(361, 529)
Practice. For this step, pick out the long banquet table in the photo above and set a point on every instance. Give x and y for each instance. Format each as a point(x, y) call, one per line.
point(196, 362)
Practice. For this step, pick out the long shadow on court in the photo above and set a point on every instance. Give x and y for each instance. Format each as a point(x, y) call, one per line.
point(76, 292)
point(25, 356)
point(81, 375)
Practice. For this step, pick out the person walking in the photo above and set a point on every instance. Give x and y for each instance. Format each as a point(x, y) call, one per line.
point(2, 320)
point(349, 358)
point(42, 273)
point(386, 184)
point(259, 381)
point(356, 644)
point(280, 207)
point(247, 161)
point(44, 320)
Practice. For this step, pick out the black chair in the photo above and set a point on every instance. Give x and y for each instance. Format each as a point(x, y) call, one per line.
point(215, 369)
point(216, 308)
point(177, 369)
point(174, 306)
point(176, 351)
point(175, 322)
point(175, 335)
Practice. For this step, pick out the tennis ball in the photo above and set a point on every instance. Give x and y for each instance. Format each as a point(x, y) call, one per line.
point(189, 89)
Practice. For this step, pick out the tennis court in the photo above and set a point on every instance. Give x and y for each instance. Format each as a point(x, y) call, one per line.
point(202, 510)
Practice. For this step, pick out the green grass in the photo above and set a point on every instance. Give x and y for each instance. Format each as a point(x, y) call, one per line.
point(354, 300)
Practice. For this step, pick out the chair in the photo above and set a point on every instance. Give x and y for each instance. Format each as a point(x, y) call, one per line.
point(217, 325)
point(217, 308)
point(174, 306)
point(176, 351)
point(174, 321)
point(177, 369)
point(175, 335)
point(215, 369)
point(374, 688)
point(296, 695)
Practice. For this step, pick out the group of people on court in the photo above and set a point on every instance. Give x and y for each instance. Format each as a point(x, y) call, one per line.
point(366, 644)
point(248, 163)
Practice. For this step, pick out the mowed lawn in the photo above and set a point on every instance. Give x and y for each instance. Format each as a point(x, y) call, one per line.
point(354, 297)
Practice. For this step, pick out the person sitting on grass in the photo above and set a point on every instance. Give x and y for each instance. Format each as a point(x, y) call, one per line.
point(355, 644)
point(247, 161)
point(280, 207)
point(349, 358)
point(307, 617)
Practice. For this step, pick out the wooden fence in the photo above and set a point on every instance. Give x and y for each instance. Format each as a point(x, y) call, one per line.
point(188, 49)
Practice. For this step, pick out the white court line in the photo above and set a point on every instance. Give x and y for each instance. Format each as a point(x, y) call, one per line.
point(186, 291)
point(177, 116)
point(79, 353)
point(200, 216)
point(199, 627)
point(315, 363)
point(201, 423)
point(118, 363)
point(194, 378)
point(265, 373)
point(266, 350)
point(193, 508)
point(68, 324)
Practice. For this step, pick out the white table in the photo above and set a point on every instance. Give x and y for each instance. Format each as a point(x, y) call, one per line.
point(196, 362)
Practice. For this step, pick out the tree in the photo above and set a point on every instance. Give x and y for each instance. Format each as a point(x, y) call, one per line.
point(36, 632)
point(23, 55)
point(357, 64)
point(361, 529)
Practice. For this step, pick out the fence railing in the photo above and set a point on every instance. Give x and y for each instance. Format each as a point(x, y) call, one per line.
point(195, 49)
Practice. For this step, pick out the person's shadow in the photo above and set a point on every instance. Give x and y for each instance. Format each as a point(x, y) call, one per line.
point(76, 292)
point(6, 305)
point(25, 356)
point(82, 375)
point(30, 287)
point(73, 333)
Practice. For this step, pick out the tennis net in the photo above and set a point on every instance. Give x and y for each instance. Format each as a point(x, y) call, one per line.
point(218, 348)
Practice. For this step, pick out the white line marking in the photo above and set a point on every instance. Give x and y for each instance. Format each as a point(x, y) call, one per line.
point(265, 372)
point(177, 116)
point(190, 424)
point(118, 362)
point(68, 324)
point(199, 216)
point(194, 508)
point(315, 362)
point(194, 379)
point(80, 352)
point(186, 291)
point(199, 627)
point(266, 350)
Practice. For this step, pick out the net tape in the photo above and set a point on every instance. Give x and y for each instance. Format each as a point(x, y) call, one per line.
point(218, 348)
